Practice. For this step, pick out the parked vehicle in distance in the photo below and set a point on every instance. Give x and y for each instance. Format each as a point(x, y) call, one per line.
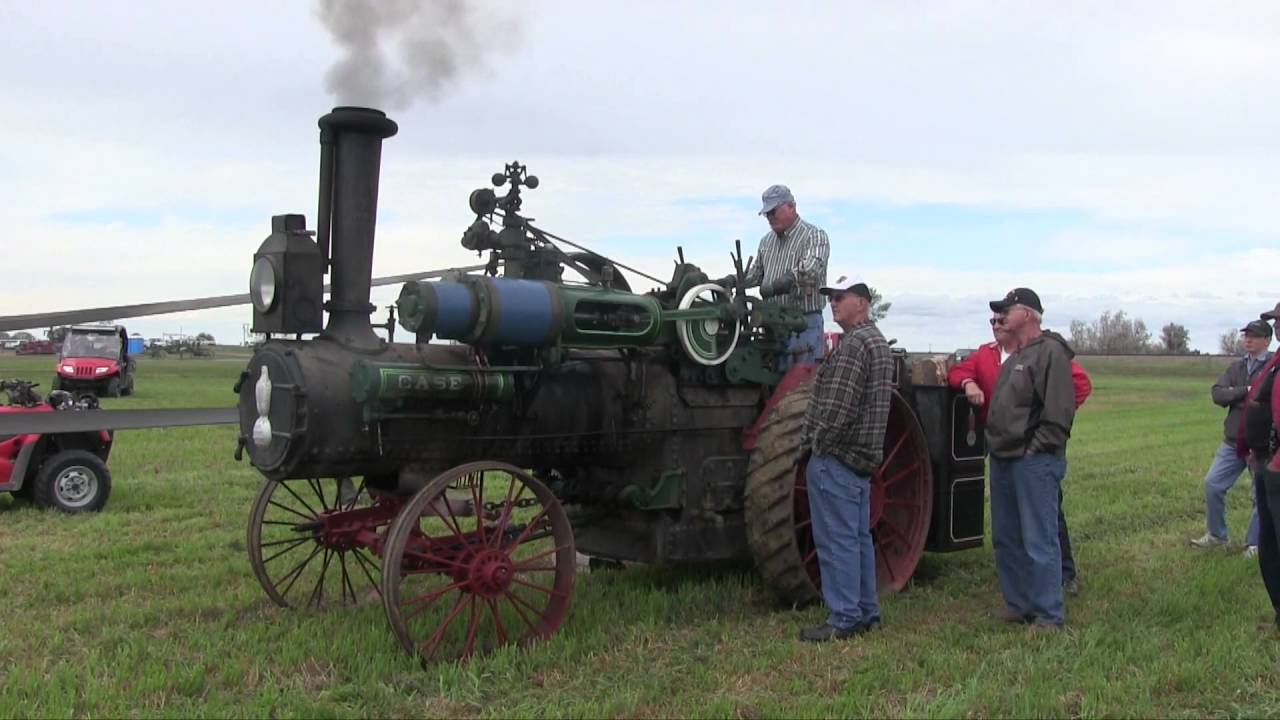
point(36, 347)
point(96, 359)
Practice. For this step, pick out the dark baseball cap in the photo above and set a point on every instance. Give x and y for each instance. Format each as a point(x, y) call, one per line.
point(1259, 328)
point(1271, 314)
point(1018, 296)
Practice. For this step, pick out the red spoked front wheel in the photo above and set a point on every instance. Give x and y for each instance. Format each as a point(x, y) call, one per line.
point(481, 557)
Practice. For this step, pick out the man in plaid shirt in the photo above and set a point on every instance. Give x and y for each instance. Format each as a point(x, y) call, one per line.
point(843, 439)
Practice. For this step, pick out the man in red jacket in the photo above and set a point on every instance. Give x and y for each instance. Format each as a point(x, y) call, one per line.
point(976, 376)
point(1258, 440)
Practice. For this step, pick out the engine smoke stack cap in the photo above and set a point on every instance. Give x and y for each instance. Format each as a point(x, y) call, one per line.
point(364, 120)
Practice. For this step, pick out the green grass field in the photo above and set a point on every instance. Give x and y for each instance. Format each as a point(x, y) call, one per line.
point(150, 608)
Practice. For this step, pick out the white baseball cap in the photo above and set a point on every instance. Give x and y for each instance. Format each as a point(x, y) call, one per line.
point(848, 283)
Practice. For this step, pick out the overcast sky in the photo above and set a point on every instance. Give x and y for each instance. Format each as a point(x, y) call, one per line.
point(1109, 155)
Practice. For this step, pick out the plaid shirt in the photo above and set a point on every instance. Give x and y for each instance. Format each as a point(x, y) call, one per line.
point(850, 406)
point(803, 250)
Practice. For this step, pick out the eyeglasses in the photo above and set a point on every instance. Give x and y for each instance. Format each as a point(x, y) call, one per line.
point(996, 321)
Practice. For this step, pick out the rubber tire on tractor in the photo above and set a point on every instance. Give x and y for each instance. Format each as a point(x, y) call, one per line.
point(59, 468)
point(769, 502)
point(127, 390)
point(777, 528)
point(113, 387)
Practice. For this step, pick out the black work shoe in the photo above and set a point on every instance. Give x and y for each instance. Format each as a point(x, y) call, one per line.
point(1004, 614)
point(824, 633)
point(1071, 587)
point(1045, 626)
point(863, 628)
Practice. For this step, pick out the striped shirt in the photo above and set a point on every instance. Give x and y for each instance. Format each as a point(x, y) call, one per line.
point(803, 250)
point(849, 409)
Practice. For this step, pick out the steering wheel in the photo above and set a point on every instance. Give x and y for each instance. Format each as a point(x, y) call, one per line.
point(710, 341)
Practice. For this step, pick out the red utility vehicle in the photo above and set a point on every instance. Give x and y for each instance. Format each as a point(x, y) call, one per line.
point(63, 471)
point(95, 358)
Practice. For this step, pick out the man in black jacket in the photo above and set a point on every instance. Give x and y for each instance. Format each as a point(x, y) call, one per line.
point(1229, 392)
point(1028, 426)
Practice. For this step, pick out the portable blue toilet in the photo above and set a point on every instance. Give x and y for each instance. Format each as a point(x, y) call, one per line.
point(137, 345)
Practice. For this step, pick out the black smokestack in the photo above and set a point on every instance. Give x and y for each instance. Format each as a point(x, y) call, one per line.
point(351, 143)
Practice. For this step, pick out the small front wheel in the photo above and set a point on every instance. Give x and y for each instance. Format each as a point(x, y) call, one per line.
point(73, 481)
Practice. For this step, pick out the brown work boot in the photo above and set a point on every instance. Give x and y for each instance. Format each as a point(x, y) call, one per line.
point(1269, 626)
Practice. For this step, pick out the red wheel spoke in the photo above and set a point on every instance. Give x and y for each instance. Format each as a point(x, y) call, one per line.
point(477, 506)
point(521, 601)
point(510, 596)
point(539, 588)
point(893, 530)
point(472, 626)
point(317, 593)
point(524, 564)
point(346, 578)
point(434, 641)
point(457, 531)
point(903, 503)
point(524, 534)
point(888, 459)
point(430, 556)
point(422, 602)
point(298, 497)
point(901, 474)
point(813, 554)
point(318, 489)
point(296, 572)
point(508, 511)
point(497, 620)
point(287, 541)
point(365, 564)
point(308, 518)
point(888, 568)
point(804, 524)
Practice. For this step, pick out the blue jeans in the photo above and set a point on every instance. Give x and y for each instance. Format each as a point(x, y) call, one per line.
point(807, 346)
point(1222, 475)
point(1024, 530)
point(840, 505)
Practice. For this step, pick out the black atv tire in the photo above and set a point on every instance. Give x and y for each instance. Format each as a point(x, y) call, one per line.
point(127, 390)
point(73, 481)
point(113, 387)
point(56, 384)
point(770, 502)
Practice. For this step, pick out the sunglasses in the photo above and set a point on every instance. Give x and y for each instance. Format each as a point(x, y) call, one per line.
point(996, 321)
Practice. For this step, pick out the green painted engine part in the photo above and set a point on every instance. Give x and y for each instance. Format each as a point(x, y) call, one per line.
point(392, 383)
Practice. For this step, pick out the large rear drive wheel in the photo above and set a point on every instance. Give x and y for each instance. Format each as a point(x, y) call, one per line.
point(777, 502)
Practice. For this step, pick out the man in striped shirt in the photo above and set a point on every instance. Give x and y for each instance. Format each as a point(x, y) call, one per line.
point(790, 266)
point(843, 435)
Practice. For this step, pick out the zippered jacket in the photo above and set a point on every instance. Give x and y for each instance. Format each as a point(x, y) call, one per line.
point(1033, 405)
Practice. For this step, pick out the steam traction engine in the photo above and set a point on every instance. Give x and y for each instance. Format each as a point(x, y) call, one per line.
point(533, 417)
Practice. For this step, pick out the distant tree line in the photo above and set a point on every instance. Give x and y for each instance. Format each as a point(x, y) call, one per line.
point(1115, 333)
